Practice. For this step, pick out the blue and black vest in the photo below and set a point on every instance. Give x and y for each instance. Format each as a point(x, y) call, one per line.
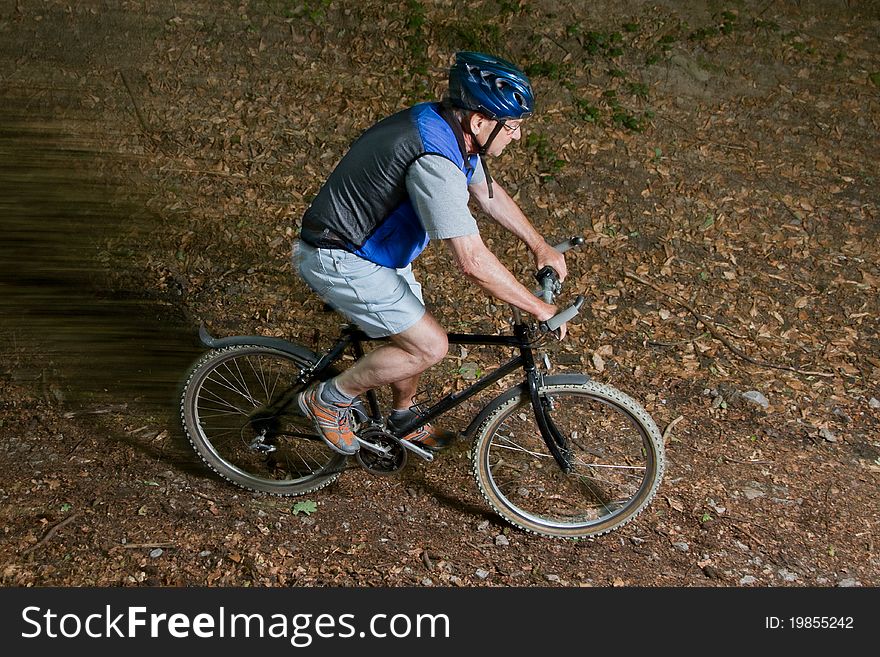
point(364, 206)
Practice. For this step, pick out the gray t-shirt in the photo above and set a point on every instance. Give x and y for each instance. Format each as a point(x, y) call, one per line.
point(438, 191)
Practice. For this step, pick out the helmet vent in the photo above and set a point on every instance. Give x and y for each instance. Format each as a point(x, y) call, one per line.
point(490, 85)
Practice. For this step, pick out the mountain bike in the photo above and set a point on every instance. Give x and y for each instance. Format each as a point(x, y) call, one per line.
point(559, 455)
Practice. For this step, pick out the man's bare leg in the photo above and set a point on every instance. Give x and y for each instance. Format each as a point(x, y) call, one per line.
point(403, 393)
point(398, 363)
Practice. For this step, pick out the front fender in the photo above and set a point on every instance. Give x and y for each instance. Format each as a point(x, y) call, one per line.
point(516, 391)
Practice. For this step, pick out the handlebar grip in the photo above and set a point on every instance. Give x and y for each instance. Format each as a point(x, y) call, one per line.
point(570, 243)
point(563, 316)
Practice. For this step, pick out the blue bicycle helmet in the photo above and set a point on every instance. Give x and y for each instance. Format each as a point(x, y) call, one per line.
point(491, 86)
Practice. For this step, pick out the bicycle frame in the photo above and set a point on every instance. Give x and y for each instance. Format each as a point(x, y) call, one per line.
point(520, 340)
point(354, 338)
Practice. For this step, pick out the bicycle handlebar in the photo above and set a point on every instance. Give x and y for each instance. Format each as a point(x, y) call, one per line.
point(569, 244)
point(552, 286)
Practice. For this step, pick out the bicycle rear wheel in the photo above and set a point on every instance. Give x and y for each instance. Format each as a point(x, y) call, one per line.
point(616, 451)
point(240, 413)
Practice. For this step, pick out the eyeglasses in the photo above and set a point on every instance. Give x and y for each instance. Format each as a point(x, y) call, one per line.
point(512, 127)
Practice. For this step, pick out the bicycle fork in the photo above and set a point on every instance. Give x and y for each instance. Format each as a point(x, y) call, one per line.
point(555, 441)
point(553, 438)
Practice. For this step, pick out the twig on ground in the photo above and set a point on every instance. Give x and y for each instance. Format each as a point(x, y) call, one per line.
point(669, 427)
point(730, 459)
point(718, 335)
point(137, 109)
point(51, 532)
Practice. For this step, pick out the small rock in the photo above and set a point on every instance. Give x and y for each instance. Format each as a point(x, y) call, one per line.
point(752, 492)
point(482, 574)
point(827, 434)
point(756, 397)
point(635, 540)
point(848, 582)
point(205, 553)
point(682, 546)
point(427, 581)
point(787, 575)
point(717, 508)
point(552, 578)
point(711, 572)
point(501, 539)
point(155, 554)
point(746, 580)
point(483, 526)
point(874, 402)
point(692, 68)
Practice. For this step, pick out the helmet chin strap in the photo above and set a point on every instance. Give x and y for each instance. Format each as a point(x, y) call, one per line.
point(485, 147)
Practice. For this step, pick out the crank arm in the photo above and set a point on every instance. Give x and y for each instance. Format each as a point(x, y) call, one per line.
point(415, 449)
point(376, 449)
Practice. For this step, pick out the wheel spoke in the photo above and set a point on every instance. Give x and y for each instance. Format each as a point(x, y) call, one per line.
point(223, 410)
point(615, 455)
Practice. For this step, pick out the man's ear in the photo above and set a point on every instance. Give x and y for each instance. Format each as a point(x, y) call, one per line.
point(477, 121)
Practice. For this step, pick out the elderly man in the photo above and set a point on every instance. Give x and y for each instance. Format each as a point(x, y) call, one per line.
point(406, 180)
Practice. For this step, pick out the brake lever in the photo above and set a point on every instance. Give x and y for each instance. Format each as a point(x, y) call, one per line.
point(551, 286)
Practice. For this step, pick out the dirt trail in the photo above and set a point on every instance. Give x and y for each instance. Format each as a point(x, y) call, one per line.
point(728, 156)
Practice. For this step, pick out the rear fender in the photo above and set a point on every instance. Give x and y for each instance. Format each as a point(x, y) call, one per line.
point(285, 346)
point(259, 341)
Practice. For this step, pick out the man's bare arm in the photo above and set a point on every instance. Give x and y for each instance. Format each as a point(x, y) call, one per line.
point(505, 211)
point(481, 266)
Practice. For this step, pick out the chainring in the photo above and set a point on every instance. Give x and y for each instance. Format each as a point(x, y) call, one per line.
point(380, 464)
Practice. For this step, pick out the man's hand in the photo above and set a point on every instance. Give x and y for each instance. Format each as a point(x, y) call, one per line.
point(546, 255)
point(550, 312)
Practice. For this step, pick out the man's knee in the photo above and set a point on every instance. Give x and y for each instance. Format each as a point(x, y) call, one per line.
point(426, 341)
point(436, 348)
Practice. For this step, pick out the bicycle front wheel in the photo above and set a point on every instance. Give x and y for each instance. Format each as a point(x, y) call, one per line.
point(240, 413)
point(616, 453)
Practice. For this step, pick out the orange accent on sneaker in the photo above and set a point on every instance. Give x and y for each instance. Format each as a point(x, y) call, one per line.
point(331, 421)
point(431, 438)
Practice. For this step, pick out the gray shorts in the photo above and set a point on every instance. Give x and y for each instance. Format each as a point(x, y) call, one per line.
point(380, 300)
